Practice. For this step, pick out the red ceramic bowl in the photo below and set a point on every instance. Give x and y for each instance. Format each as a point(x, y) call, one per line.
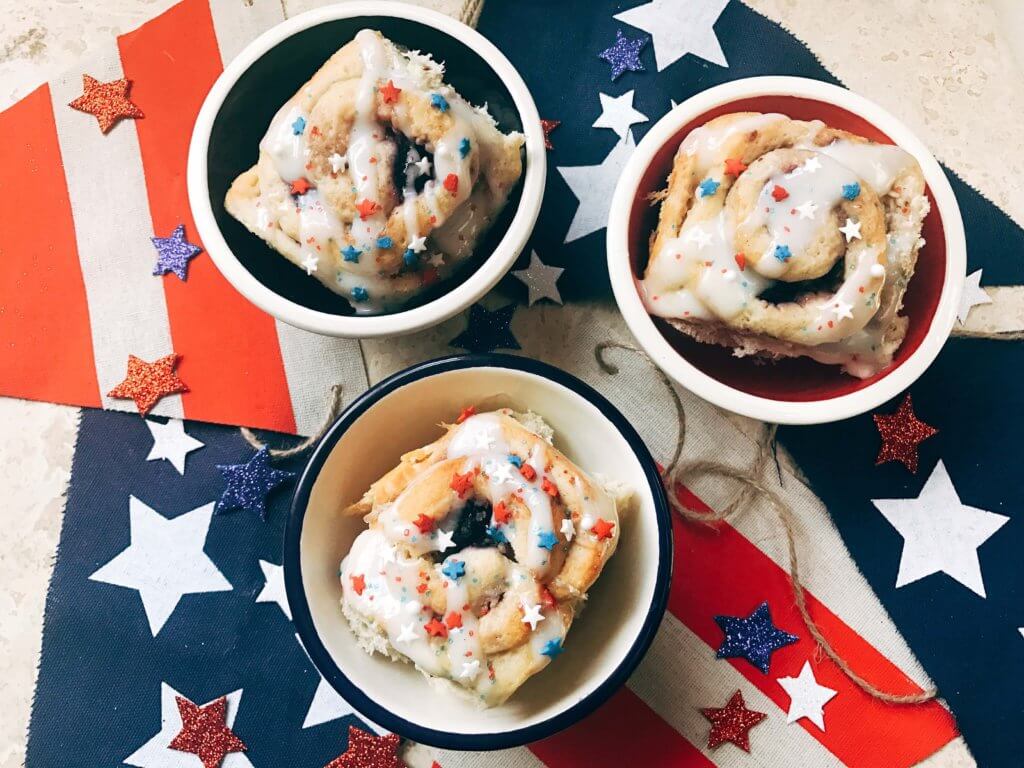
point(796, 390)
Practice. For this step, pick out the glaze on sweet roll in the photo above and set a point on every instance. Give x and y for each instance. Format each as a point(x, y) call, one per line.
point(376, 177)
point(786, 238)
point(480, 550)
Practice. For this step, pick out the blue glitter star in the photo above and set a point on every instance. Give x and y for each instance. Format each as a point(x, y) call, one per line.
point(437, 100)
point(851, 191)
point(708, 187)
point(624, 55)
point(360, 294)
point(248, 484)
point(299, 125)
point(174, 252)
point(464, 146)
point(385, 242)
point(547, 540)
point(350, 253)
point(487, 331)
point(552, 648)
point(782, 252)
point(454, 569)
point(754, 638)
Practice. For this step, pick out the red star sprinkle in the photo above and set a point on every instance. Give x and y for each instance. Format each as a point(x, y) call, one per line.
point(358, 583)
point(547, 599)
point(469, 410)
point(424, 523)
point(603, 529)
point(527, 471)
point(732, 723)
point(108, 102)
point(389, 93)
point(367, 208)
point(549, 488)
point(901, 433)
point(451, 183)
point(435, 628)
point(368, 751)
point(779, 193)
point(146, 383)
point(453, 620)
point(741, 261)
point(204, 731)
point(734, 166)
point(301, 187)
point(462, 483)
point(502, 513)
point(548, 126)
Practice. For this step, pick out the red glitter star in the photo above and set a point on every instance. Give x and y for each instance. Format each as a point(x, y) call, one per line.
point(358, 583)
point(436, 628)
point(732, 723)
point(204, 731)
point(301, 187)
point(901, 433)
point(146, 383)
point(548, 126)
point(108, 102)
point(779, 193)
point(734, 166)
point(389, 93)
point(451, 183)
point(367, 208)
point(603, 529)
point(368, 751)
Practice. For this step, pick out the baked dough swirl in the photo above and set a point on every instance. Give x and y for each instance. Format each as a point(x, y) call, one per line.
point(758, 201)
point(343, 186)
point(496, 611)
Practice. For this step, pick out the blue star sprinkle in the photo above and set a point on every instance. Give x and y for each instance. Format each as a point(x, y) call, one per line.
point(360, 294)
point(454, 569)
point(350, 253)
point(410, 258)
point(496, 534)
point(851, 191)
point(513, 459)
point(487, 331)
point(174, 252)
point(248, 484)
point(624, 55)
point(464, 146)
point(299, 125)
point(547, 540)
point(782, 252)
point(552, 648)
point(439, 102)
point(754, 638)
point(708, 187)
point(385, 242)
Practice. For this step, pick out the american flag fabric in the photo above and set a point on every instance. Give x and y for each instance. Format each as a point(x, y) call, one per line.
point(117, 646)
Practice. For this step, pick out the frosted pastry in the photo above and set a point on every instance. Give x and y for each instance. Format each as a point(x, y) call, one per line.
point(376, 177)
point(480, 550)
point(786, 238)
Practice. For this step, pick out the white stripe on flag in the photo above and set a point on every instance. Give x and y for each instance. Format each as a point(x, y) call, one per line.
point(106, 186)
point(520, 757)
point(238, 23)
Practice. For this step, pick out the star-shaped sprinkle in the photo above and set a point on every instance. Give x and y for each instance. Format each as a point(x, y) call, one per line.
point(436, 628)
point(618, 114)
point(532, 615)
point(107, 102)
point(540, 279)
point(300, 187)
point(552, 648)
point(851, 191)
point(408, 633)
point(624, 55)
point(248, 484)
point(806, 697)
point(851, 229)
point(454, 569)
point(351, 253)
point(451, 183)
point(358, 581)
point(753, 638)
point(593, 185)
point(338, 162)
point(940, 533)
point(389, 93)
point(174, 252)
point(423, 165)
point(418, 244)
point(503, 474)
point(424, 522)
point(547, 540)
point(972, 296)
point(902, 432)
point(439, 102)
point(568, 529)
point(453, 621)
point(494, 533)
point(310, 263)
point(445, 540)
point(732, 723)
point(470, 669)
point(299, 126)
point(368, 751)
point(486, 330)
point(707, 188)
point(548, 126)
point(360, 294)
point(782, 252)
point(679, 27)
point(734, 166)
point(839, 308)
point(699, 236)
point(171, 442)
point(146, 383)
point(779, 193)
point(367, 208)
point(741, 260)
point(385, 242)
point(602, 529)
point(807, 210)
point(205, 733)
point(464, 146)
point(812, 164)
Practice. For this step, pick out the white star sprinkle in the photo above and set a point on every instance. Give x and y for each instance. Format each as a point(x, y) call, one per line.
point(851, 229)
point(699, 236)
point(408, 633)
point(310, 263)
point(436, 260)
point(470, 669)
point(812, 164)
point(418, 244)
point(972, 296)
point(841, 309)
point(679, 27)
point(618, 114)
point(423, 165)
point(541, 280)
point(807, 210)
point(445, 540)
point(484, 441)
point(806, 697)
point(338, 163)
point(171, 442)
point(532, 615)
point(568, 529)
point(593, 186)
point(502, 473)
point(586, 523)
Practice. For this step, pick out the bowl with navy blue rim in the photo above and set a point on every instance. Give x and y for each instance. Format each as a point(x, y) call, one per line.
point(624, 607)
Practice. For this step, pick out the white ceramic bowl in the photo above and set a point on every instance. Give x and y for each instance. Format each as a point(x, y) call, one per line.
point(785, 393)
point(265, 74)
point(603, 645)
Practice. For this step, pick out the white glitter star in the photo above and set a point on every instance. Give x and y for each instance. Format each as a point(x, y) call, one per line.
point(445, 540)
point(851, 229)
point(568, 529)
point(310, 263)
point(418, 244)
point(532, 615)
point(699, 236)
point(470, 669)
point(408, 633)
point(423, 166)
point(807, 210)
point(337, 162)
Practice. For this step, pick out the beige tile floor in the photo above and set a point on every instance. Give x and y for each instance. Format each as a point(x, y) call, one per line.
point(950, 68)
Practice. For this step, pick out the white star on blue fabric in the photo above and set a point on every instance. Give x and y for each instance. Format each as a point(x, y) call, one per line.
point(618, 114)
point(541, 280)
point(679, 27)
point(972, 296)
point(171, 442)
point(165, 560)
point(753, 638)
point(248, 484)
point(593, 186)
point(273, 589)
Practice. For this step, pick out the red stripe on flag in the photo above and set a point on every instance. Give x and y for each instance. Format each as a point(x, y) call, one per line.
point(45, 339)
point(624, 731)
point(231, 359)
point(719, 572)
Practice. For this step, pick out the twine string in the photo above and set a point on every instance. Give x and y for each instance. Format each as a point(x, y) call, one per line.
point(333, 409)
